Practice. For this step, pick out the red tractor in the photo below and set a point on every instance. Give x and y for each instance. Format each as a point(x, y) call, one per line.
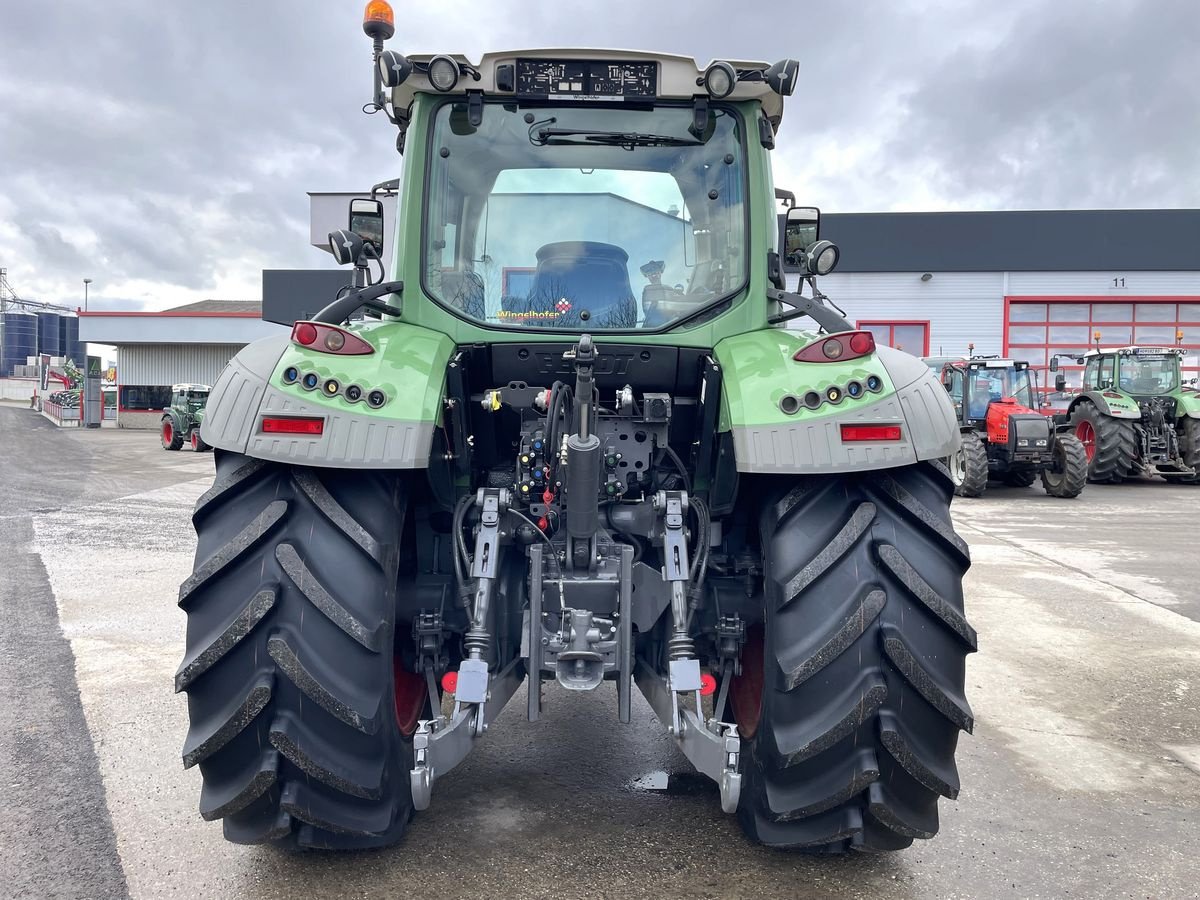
point(1003, 436)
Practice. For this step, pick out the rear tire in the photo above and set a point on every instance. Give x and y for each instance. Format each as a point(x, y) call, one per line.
point(1189, 447)
point(171, 438)
point(291, 613)
point(197, 442)
point(1071, 461)
point(974, 466)
point(1110, 445)
point(860, 666)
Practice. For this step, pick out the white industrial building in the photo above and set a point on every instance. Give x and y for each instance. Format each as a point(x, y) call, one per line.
point(155, 350)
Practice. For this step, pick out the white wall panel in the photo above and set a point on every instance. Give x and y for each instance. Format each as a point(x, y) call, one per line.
point(1136, 284)
point(164, 364)
point(961, 307)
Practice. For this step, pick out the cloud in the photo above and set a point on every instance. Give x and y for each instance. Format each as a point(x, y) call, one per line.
point(165, 150)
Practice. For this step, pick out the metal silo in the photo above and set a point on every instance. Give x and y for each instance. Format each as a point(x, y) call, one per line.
point(19, 340)
point(72, 348)
point(49, 337)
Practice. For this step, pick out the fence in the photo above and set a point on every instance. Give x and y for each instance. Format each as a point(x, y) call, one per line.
point(61, 415)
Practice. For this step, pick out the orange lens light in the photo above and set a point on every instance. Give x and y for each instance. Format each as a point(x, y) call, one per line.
point(378, 19)
point(379, 11)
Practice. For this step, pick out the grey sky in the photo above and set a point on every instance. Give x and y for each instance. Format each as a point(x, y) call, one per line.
point(164, 149)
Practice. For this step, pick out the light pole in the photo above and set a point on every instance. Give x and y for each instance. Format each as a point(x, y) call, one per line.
point(86, 282)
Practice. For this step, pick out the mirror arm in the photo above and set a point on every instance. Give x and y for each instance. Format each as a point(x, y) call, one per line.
point(342, 308)
point(806, 306)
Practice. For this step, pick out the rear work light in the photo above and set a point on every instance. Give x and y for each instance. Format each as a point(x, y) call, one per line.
point(307, 425)
point(838, 347)
point(860, 433)
point(329, 339)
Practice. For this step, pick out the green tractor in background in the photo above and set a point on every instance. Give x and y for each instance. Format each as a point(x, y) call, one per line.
point(503, 462)
point(181, 420)
point(1135, 415)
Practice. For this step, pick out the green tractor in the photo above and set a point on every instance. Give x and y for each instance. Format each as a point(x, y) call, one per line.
point(1003, 434)
point(500, 463)
point(181, 420)
point(1135, 415)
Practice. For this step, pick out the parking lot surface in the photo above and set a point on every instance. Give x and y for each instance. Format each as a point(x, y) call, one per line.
point(1082, 778)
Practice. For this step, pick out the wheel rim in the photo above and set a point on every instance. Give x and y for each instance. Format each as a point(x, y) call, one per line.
point(195, 441)
point(958, 465)
point(746, 689)
point(168, 433)
point(410, 692)
point(1087, 437)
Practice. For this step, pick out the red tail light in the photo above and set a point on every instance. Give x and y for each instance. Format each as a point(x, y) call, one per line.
point(838, 347)
point(310, 426)
point(329, 339)
point(856, 433)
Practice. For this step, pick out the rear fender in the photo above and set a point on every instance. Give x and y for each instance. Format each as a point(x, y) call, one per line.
point(1189, 405)
point(760, 375)
point(1118, 406)
point(408, 365)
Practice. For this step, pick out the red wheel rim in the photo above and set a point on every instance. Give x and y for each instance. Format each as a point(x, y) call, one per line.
point(410, 694)
point(1087, 437)
point(746, 689)
point(168, 433)
point(195, 441)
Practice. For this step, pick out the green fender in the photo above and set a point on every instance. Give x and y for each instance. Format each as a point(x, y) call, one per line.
point(408, 365)
point(774, 431)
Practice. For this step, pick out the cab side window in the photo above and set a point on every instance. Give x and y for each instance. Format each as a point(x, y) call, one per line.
point(953, 381)
point(1091, 374)
point(1108, 372)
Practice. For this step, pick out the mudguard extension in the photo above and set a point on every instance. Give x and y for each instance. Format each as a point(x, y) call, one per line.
point(759, 375)
point(409, 366)
point(1117, 405)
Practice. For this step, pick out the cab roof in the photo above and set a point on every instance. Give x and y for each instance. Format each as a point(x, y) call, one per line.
point(191, 387)
point(1132, 350)
point(677, 75)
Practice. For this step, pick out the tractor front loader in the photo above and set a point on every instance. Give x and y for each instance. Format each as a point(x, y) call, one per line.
point(507, 463)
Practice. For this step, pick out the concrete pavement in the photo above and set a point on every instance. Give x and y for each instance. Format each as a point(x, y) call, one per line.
point(1082, 778)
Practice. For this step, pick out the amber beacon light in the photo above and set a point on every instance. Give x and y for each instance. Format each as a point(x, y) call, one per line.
point(378, 20)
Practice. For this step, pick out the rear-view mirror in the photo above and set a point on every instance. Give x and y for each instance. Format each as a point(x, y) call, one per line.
point(802, 230)
point(1054, 364)
point(1060, 382)
point(366, 220)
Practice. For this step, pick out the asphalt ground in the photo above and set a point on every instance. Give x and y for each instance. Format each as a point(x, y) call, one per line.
point(1082, 778)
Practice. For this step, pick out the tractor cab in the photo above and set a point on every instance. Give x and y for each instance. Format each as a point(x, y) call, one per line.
point(974, 384)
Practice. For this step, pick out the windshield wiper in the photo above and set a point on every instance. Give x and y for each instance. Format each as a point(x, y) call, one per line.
point(626, 139)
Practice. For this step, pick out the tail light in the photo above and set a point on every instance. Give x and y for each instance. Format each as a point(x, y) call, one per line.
point(313, 426)
point(838, 347)
point(329, 339)
point(861, 433)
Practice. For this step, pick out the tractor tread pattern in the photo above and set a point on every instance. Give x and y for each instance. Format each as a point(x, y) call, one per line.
point(234, 549)
point(1189, 448)
point(857, 757)
point(953, 708)
point(832, 552)
point(310, 586)
point(219, 801)
point(314, 687)
point(1116, 447)
point(1073, 479)
point(975, 466)
point(307, 753)
point(862, 616)
point(205, 740)
point(199, 663)
point(921, 589)
point(332, 510)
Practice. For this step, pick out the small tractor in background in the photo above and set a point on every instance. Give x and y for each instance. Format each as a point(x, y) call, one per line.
point(1003, 436)
point(181, 420)
point(1135, 415)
